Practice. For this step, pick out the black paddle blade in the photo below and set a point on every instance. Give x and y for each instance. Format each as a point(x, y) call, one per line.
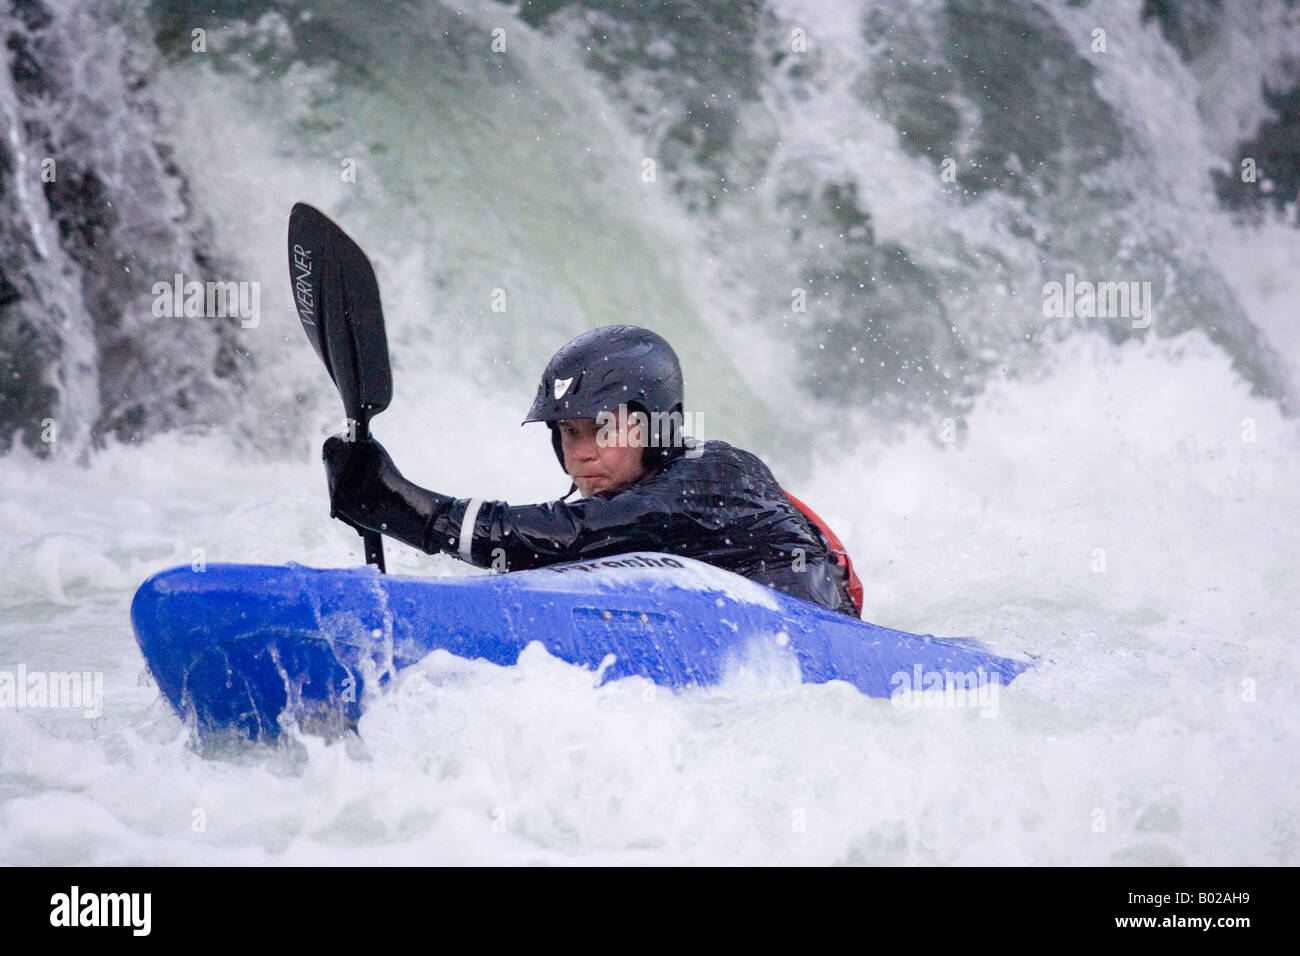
point(337, 298)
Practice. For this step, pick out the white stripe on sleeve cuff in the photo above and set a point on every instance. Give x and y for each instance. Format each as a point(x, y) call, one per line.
point(467, 528)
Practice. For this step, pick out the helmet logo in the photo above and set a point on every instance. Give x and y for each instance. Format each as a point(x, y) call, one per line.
point(562, 386)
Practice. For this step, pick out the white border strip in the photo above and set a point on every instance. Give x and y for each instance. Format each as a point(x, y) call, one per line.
point(467, 528)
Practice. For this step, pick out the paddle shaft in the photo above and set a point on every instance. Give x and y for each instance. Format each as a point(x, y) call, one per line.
point(373, 540)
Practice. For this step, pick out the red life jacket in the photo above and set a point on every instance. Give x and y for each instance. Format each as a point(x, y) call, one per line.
point(842, 558)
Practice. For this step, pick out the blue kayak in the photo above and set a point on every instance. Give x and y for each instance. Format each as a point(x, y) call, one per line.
point(248, 649)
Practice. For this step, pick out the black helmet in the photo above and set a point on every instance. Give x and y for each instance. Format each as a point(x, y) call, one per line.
point(608, 367)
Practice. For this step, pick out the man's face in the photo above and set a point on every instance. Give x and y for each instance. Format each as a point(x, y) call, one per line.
point(602, 459)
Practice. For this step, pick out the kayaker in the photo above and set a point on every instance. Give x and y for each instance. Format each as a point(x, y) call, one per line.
point(613, 399)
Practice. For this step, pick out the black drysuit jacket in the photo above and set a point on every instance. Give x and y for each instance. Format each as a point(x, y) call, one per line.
point(714, 503)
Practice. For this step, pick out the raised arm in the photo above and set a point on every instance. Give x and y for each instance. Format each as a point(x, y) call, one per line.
point(367, 491)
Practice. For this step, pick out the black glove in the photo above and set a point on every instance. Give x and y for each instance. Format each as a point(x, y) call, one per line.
point(370, 494)
point(352, 470)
